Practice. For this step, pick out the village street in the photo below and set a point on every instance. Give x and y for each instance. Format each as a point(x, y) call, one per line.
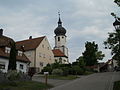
point(98, 81)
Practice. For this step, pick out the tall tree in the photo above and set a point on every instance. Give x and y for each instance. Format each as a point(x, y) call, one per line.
point(113, 41)
point(117, 2)
point(91, 55)
point(12, 58)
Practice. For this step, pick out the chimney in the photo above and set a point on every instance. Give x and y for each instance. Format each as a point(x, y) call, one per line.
point(1, 32)
point(30, 37)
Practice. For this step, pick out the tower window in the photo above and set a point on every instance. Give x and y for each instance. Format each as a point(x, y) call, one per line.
point(58, 38)
point(62, 37)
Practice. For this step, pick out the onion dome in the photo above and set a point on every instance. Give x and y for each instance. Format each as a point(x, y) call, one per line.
point(5, 41)
point(60, 30)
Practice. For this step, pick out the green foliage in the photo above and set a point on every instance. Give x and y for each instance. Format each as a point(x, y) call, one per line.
point(117, 2)
point(76, 70)
point(113, 43)
point(48, 68)
point(65, 71)
point(91, 54)
point(12, 58)
point(116, 85)
point(24, 85)
point(57, 72)
point(13, 75)
point(100, 55)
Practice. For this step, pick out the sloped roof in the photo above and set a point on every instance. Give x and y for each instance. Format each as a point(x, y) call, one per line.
point(22, 58)
point(29, 44)
point(58, 53)
point(5, 41)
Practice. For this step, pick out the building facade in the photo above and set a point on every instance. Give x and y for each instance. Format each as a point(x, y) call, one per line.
point(22, 62)
point(39, 52)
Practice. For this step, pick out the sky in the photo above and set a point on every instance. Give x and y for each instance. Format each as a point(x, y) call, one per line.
point(84, 20)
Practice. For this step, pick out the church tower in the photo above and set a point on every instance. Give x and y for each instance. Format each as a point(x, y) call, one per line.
point(60, 38)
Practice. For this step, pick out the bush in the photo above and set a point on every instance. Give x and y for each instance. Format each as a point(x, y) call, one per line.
point(13, 75)
point(47, 69)
point(65, 71)
point(76, 70)
point(57, 72)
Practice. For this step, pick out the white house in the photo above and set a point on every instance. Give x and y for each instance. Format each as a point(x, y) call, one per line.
point(5, 47)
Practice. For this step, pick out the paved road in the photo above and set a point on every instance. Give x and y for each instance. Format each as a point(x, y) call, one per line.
point(98, 81)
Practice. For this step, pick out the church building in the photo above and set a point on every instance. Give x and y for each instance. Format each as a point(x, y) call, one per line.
point(60, 50)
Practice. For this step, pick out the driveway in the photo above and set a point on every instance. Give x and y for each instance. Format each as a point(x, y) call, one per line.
point(98, 81)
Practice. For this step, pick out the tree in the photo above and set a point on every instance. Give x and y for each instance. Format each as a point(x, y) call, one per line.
point(100, 55)
point(12, 58)
point(81, 62)
point(91, 54)
point(113, 41)
point(117, 2)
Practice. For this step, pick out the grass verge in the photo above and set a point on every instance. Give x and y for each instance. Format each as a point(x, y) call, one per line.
point(26, 85)
point(69, 77)
point(116, 85)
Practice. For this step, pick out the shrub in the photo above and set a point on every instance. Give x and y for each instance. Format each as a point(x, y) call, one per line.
point(13, 75)
point(47, 69)
point(76, 70)
point(57, 72)
point(65, 71)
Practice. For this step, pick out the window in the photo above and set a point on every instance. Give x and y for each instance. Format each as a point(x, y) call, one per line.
point(41, 64)
point(40, 55)
point(21, 66)
point(20, 53)
point(48, 48)
point(43, 46)
point(2, 66)
point(50, 57)
point(58, 38)
point(43, 55)
point(62, 37)
point(7, 50)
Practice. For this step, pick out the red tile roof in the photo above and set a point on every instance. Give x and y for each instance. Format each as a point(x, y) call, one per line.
point(22, 58)
point(58, 53)
point(29, 44)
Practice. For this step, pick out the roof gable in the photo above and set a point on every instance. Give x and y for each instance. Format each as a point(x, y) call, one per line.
point(29, 44)
point(22, 58)
point(58, 53)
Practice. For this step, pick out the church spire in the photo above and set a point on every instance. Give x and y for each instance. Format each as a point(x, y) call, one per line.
point(59, 21)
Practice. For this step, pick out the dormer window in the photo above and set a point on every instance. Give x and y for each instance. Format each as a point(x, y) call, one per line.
point(20, 53)
point(7, 50)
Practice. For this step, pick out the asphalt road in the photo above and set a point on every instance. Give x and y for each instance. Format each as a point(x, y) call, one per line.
point(98, 81)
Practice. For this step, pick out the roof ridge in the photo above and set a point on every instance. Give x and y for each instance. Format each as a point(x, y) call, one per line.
point(30, 39)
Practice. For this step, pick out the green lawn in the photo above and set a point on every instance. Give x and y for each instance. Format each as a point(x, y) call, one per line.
point(116, 85)
point(69, 77)
point(26, 85)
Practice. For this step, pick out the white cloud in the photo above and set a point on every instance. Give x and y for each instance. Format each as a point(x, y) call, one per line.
point(85, 20)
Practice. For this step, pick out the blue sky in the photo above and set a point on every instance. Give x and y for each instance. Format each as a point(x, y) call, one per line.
point(84, 20)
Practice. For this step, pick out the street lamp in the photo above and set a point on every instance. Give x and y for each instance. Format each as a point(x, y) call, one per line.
point(116, 24)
